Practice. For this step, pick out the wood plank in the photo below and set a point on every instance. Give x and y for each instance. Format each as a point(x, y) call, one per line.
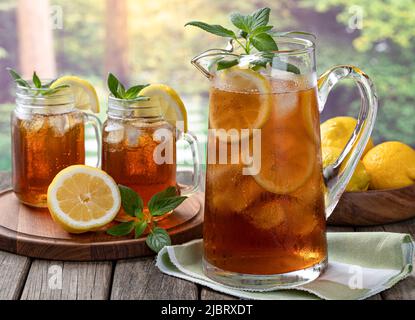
point(79, 281)
point(13, 273)
point(208, 294)
point(140, 279)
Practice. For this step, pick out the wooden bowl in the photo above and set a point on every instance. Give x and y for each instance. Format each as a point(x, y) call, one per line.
point(374, 207)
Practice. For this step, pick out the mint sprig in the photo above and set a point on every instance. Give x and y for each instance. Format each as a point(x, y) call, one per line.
point(119, 91)
point(160, 204)
point(254, 32)
point(39, 88)
point(252, 29)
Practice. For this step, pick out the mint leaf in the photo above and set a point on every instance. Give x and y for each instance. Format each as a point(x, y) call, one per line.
point(47, 85)
point(264, 42)
point(131, 201)
point(241, 22)
point(134, 91)
point(213, 28)
point(121, 90)
point(139, 214)
point(17, 78)
point(121, 229)
point(260, 17)
point(225, 64)
point(36, 81)
point(164, 202)
point(167, 193)
point(165, 205)
point(140, 228)
point(113, 85)
point(158, 239)
point(262, 29)
point(49, 92)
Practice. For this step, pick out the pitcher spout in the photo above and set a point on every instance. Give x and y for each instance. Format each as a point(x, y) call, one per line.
point(206, 61)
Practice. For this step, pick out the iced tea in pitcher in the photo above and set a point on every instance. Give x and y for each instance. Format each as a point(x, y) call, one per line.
point(267, 196)
point(277, 213)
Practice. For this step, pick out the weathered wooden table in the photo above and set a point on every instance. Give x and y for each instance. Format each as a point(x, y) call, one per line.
point(138, 279)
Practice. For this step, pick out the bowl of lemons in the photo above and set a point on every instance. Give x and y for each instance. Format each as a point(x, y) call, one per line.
point(382, 189)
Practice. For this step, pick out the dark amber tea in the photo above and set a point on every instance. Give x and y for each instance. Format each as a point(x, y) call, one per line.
point(128, 156)
point(273, 221)
point(43, 145)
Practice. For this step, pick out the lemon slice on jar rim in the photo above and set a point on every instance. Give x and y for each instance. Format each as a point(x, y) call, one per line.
point(172, 106)
point(86, 97)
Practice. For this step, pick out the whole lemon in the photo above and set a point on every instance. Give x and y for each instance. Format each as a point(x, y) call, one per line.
point(390, 165)
point(360, 180)
point(336, 132)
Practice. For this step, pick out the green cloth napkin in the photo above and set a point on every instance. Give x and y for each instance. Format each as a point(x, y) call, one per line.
point(361, 264)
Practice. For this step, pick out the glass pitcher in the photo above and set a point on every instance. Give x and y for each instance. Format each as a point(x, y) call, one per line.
point(48, 135)
point(267, 197)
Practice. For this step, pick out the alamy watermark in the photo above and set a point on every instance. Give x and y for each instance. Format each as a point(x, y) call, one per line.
point(56, 17)
point(355, 21)
point(233, 146)
point(55, 277)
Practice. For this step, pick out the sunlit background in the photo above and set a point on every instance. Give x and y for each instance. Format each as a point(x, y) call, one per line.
point(145, 42)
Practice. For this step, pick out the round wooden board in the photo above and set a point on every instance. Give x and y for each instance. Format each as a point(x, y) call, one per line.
point(31, 232)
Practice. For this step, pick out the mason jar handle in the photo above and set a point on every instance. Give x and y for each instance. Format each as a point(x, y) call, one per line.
point(94, 121)
point(191, 139)
point(338, 175)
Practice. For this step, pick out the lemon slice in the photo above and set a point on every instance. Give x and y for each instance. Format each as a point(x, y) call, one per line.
point(86, 97)
point(286, 162)
point(172, 107)
point(82, 199)
point(241, 100)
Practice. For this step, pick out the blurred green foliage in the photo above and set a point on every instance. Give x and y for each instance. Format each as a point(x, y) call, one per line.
point(160, 49)
point(384, 49)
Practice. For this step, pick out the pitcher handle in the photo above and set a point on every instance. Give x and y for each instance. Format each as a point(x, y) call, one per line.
point(94, 121)
point(191, 139)
point(338, 175)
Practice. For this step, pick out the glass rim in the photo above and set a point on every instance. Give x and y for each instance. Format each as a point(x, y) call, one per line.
point(127, 104)
point(26, 92)
point(308, 45)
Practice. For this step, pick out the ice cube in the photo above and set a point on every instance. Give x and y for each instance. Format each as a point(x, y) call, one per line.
point(132, 135)
point(227, 183)
point(268, 215)
point(285, 103)
point(33, 124)
point(60, 124)
point(114, 133)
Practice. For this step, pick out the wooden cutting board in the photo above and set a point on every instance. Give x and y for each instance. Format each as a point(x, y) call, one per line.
point(31, 232)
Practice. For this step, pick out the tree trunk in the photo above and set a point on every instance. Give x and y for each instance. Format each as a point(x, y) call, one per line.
point(35, 36)
point(116, 41)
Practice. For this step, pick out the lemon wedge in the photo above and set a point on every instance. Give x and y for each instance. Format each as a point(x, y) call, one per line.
point(172, 107)
point(82, 199)
point(241, 100)
point(86, 97)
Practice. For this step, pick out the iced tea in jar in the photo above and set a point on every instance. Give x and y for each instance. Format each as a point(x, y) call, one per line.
point(139, 147)
point(267, 197)
point(48, 135)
